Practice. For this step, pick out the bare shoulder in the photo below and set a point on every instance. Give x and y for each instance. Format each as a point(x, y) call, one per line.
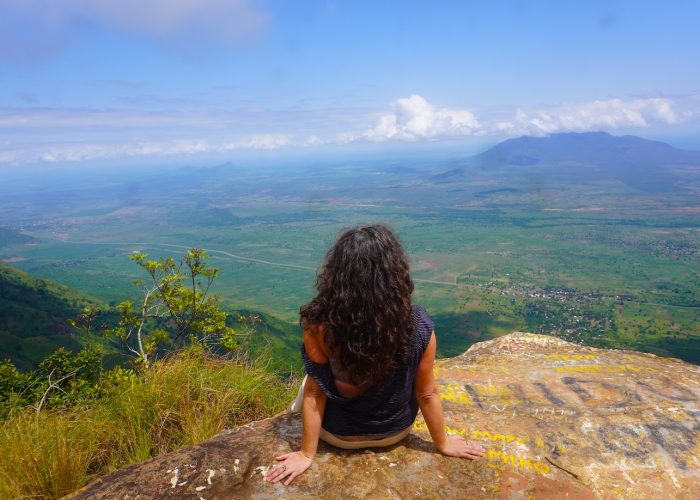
point(425, 366)
point(314, 345)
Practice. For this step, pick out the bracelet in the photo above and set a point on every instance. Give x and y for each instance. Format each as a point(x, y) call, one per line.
point(305, 455)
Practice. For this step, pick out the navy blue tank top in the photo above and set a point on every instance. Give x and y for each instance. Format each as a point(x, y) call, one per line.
point(387, 408)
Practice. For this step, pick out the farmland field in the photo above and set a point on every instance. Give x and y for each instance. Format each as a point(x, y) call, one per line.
point(597, 259)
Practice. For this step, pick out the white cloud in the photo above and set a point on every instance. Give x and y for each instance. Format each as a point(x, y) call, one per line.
point(107, 151)
point(57, 118)
point(65, 134)
point(74, 134)
point(260, 141)
point(77, 152)
point(413, 118)
point(610, 114)
point(226, 21)
point(32, 30)
point(313, 140)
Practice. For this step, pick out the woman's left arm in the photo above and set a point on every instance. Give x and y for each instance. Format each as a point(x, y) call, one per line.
point(293, 464)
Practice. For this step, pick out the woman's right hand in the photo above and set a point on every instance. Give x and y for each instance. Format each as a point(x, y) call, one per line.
point(457, 446)
point(290, 466)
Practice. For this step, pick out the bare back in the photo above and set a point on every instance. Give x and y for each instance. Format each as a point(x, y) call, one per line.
point(318, 352)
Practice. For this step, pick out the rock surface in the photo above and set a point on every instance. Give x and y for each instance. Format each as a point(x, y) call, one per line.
point(557, 420)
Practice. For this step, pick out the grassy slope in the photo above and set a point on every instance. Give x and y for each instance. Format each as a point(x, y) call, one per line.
point(180, 401)
point(271, 339)
point(33, 315)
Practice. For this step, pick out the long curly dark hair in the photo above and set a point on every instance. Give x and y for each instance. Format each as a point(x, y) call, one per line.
point(364, 303)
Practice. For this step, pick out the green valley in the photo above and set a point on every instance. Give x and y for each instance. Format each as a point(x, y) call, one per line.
point(590, 237)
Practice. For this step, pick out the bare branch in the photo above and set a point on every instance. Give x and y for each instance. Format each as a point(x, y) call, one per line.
point(144, 316)
point(53, 385)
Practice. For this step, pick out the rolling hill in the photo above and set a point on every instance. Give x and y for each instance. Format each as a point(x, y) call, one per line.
point(33, 316)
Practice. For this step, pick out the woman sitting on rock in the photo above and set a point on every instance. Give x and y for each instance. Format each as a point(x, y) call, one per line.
point(368, 355)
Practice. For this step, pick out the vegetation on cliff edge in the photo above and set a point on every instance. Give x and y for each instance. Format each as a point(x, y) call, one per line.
point(181, 400)
point(73, 418)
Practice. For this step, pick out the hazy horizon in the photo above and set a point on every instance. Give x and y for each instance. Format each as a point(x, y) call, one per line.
point(289, 157)
point(127, 83)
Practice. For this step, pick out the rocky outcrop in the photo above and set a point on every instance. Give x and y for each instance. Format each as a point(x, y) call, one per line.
point(557, 420)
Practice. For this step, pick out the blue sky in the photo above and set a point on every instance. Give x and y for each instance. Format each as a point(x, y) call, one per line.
point(90, 81)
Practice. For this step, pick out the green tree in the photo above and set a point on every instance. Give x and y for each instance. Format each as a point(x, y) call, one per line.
point(175, 308)
point(17, 389)
point(65, 378)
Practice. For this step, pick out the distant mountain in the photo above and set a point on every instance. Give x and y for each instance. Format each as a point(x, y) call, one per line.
point(590, 148)
point(33, 316)
point(571, 158)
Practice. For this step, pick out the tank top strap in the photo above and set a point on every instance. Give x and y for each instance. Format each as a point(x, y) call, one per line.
point(424, 327)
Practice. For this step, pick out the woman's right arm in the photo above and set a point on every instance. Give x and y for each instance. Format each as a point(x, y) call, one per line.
point(293, 464)
point(428, 395)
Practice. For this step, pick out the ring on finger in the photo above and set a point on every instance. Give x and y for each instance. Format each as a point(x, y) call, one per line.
point(284, 467)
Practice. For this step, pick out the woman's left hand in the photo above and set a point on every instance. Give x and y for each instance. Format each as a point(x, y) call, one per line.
point(290, 466)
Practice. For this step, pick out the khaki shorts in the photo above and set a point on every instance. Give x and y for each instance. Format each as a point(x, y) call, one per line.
point(333, 440)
